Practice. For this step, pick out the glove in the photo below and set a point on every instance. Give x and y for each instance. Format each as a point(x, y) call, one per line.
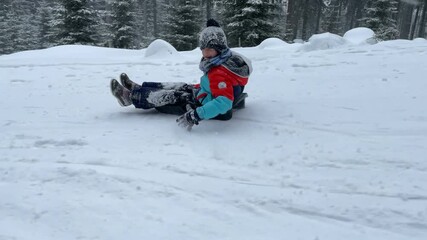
point(188, 119)
point(186, 88)
point(185, 94)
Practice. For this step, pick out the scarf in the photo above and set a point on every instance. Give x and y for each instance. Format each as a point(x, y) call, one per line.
point(206, 64)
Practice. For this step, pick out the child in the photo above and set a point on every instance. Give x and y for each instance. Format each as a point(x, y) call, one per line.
point(221, 87)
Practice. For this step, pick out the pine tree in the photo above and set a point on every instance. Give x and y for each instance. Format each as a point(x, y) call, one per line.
point(18, 26)
point(24, 25)
point(103, 12)
point(79, 22)
point(292, 20)
point(311, 17)
point(147, 24)
point(249, 22)
point(210, 9)
point(353, 13)
point(5, 30)
point(123, 28)
point(183, 26)
point(140, 23)
point(280, 19)
point(51, 15)
point(332, 17)
point(423, 21)
point(381, 18)
point(45, 15)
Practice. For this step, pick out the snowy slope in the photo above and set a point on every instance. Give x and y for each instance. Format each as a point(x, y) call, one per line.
point(332, 145)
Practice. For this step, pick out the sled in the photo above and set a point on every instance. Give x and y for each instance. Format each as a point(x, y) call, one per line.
point(239, 102)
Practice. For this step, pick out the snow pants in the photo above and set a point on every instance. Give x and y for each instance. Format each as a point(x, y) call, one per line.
point(169, 97)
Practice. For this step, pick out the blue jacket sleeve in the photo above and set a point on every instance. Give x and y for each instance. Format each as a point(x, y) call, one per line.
point(219, 105)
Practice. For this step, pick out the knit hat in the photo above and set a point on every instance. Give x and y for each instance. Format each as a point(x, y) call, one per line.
point(213, 37)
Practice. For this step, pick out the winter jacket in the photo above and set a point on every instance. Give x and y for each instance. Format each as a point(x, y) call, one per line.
point(217, 88)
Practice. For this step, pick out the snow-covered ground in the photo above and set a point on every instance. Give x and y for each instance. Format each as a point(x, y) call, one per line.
point(332, 145)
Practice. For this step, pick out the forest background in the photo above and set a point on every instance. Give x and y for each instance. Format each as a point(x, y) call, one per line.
point(134, 24)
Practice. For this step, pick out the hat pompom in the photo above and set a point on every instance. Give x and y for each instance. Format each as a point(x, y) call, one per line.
point(212, 23)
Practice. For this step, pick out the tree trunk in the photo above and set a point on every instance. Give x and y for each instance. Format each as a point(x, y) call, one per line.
point(146, 18)
point(414, 23)
point(422, 29)
point(292, 18)
point(155, 31)
point(340, 14)
point(359, 13)
point(404, 21)
point(350, 15)
point(208, 9)
point(305, 19)
point(319, 15)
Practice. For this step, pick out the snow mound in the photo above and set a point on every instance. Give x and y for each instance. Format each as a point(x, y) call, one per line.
point(272, 43)
point(360, 35)
point(420, 40)
point(160, 48)
point(323, 41)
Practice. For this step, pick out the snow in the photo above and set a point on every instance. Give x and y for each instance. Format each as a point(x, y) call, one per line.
point(323, 41)
point(360, 35)
point(160, 49)
point(332, 145)
point(272, 43)
point(420, 40)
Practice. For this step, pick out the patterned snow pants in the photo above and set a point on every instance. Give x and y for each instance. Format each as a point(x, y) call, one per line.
point(168, 97)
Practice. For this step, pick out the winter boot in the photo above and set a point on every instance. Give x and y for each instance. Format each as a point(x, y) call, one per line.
point(121, 93)
point(127, 83)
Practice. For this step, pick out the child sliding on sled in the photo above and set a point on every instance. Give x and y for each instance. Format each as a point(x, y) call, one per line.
point(220, 90)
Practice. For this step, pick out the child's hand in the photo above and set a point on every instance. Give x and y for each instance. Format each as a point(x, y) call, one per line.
point(188, 119)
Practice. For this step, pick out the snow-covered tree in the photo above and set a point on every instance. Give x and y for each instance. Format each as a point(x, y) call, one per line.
point(6, 45)
point(79, 21)
point(353, 13)
point(423, 21)
point(183, 24)
point(51, 15)
point(381, 18)
point(146, 21)
point(23, 25)
point(332, 17)
point(30, 24)
point(304, 18)
point(249, 22)
point(123, 25)
point(103, 9)
point(210, 9)
point(18, 25)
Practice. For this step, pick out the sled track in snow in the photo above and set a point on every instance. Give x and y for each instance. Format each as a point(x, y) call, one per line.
point(296, 126)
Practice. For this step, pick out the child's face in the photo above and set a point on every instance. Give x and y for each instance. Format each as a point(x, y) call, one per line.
point(209, 53)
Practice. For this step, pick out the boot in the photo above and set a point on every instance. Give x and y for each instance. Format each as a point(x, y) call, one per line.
point(127, 83)
point(121, 93)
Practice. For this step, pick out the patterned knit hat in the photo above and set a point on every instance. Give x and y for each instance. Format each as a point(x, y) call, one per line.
point(213, 37)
